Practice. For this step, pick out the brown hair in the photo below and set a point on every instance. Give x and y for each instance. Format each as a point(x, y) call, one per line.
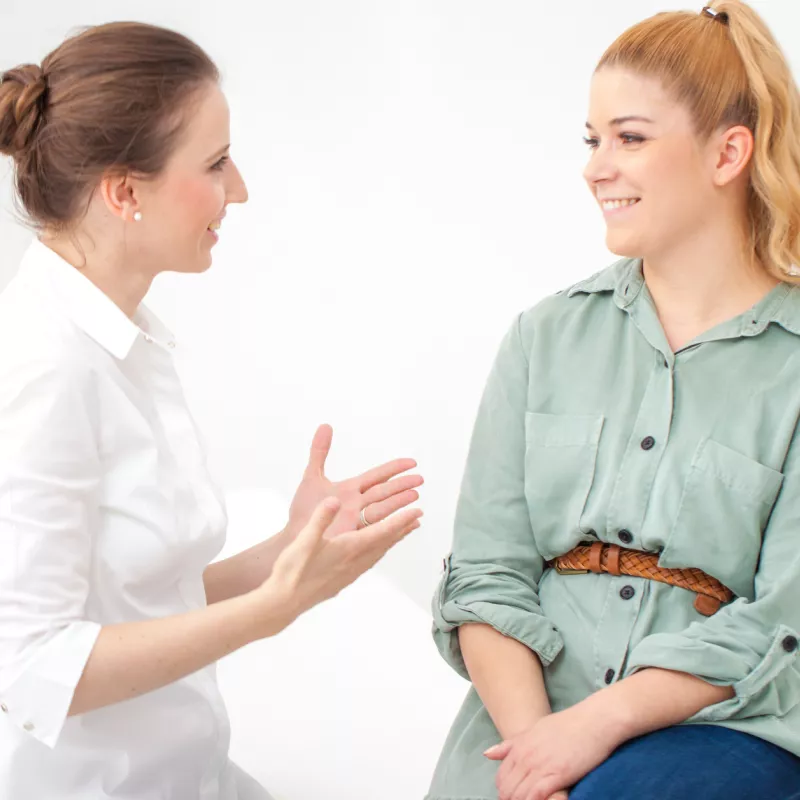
point(725, 66)
point(112, 98)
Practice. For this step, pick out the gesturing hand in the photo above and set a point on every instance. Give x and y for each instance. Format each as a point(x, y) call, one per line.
point(316, 565)
point(378, 491)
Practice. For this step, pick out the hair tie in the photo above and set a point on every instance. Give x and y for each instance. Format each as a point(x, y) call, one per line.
point(719, 16)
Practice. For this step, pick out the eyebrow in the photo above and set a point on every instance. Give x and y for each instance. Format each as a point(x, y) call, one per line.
point(622, 120)
point(220, 152)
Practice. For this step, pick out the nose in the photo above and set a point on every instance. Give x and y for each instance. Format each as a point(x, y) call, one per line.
point(236, 191)
point(602, 165)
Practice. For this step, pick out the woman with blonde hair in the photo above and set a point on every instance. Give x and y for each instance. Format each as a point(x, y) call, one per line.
point(112, 615)
point(624, 586)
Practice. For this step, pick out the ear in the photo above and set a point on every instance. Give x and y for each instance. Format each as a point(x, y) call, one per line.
point(732, 151)
point(119, 195)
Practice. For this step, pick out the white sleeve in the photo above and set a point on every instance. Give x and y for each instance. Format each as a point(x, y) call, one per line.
point(49, 477)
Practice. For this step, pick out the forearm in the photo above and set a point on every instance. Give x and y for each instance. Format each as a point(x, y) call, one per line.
point(132, 658)
point(653, 699)
point(243, 572)
point(507, 676)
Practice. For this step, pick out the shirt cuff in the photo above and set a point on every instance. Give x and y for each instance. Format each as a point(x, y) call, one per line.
point(38, 698)
point(769, 688)
point(533, 630)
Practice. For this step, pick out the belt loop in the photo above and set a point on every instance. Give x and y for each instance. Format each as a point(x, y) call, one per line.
point(596, 557)
point(612, 564)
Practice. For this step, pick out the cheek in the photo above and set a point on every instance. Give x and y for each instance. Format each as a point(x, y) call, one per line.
point(195, 201)
point(683, 205)
point(677, 185)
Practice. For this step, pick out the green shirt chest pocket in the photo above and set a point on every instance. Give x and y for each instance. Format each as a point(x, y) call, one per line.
point(726, 502)
point(560, 461)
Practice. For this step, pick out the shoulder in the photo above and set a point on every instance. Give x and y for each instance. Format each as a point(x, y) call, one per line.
point(43, 356)
point(595, 292)
point(34, 328)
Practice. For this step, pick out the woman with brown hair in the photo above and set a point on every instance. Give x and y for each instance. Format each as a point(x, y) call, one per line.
point(111, 613)
point(624, 586)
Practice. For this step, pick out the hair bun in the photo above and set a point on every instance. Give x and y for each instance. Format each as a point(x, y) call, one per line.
point(23, 93)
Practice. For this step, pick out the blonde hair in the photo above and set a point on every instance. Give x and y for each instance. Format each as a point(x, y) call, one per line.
point(728, 69)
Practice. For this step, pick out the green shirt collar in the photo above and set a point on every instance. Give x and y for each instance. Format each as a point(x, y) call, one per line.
point(625, 280)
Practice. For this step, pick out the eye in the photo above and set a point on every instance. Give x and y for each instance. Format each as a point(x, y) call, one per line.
point(591, 142)
point(221, 163)
point(631, 138)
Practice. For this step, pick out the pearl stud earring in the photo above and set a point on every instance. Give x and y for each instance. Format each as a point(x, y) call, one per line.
point(137, 217)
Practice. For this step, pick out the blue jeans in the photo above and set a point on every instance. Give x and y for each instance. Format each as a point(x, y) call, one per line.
point(694, 761)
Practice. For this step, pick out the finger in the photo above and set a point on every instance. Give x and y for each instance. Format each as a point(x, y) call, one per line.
point(510, 776)
point(394, 533)
point(366, 558)
point(373, 542)
point(386, 528)
point(526, 789)
point(311, 535)
point(546, 789)
point(384, 472)
point(379, 511)
point(412, 527)
point(499, 751)
point(388, 489)
point(370, 560)
point(403, 531)
point(320, 447)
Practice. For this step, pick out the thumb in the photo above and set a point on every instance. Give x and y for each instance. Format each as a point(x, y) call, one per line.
point(320, 447)
point(498, 752)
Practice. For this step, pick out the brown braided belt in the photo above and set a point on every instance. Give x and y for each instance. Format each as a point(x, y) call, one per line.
point(600, 557)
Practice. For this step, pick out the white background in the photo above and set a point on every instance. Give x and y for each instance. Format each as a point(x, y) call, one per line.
point(415, 179)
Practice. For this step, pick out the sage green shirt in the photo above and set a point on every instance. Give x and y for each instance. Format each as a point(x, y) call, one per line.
point(591, 428)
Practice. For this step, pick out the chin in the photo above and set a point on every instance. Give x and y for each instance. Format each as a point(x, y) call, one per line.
point(198, 265)
point(203, 261)
point(206, 265)
point(624, 246)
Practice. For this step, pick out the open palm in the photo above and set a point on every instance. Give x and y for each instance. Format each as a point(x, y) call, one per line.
point(379, 491)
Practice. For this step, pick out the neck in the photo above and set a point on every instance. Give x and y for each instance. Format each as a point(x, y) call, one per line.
point(124, 284)
point(704, 281)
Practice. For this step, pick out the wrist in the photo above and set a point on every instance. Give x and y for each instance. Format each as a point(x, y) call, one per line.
point(612, 708)
point(266, 611)
point(510, 729)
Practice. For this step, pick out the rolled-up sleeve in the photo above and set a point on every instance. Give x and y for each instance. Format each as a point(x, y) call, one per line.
point(750, 645)
point(493, 572)
point(49, 477)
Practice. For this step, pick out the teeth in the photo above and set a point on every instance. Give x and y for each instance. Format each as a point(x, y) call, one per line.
point(608, 205)
point(215, 226)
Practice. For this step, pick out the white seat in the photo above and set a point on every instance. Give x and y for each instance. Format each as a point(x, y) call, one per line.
point(352, 702)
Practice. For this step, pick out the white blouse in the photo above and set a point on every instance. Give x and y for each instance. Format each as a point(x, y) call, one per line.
point(107, 515)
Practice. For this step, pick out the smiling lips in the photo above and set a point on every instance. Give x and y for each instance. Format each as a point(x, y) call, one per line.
point(614, 205)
